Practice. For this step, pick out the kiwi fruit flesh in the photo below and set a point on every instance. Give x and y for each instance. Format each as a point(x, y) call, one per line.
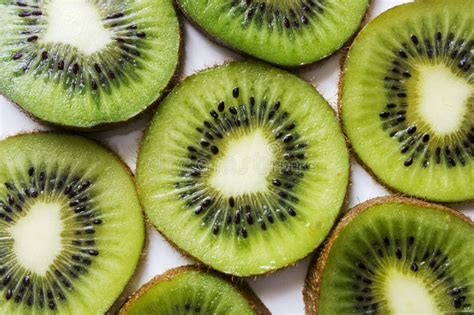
point(287, 33)
point(84, 64)
point(407, 99)
point(244, 167)
point(395, 256)
point(71, 227)
point(191, 290)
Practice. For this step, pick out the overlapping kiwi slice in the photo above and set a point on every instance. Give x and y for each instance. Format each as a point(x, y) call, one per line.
point(395, 256)
point(244, 167)
point(191, 290)
point(71, 227)
point(85, 63)
point(289, 33)
point(408, 99)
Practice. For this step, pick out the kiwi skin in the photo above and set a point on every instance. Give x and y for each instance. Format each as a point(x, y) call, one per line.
point(339, 114)
point(344, 204)
point(241, 286)
point(132, 176)
point(343, 46)
point(314, 276)
point(174, 80)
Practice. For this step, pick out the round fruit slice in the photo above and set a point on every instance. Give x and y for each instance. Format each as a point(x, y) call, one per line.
point(395, 256)
point(84, 64)
point(71, 227)
point(408, 99)
point(289, 33)
point(244, 167)
point(190, 290)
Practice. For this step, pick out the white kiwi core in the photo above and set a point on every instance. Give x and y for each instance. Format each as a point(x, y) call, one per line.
point(37, 237)
point(408, 294)
point(245, 165)
point(442, 98)
point(76, 23)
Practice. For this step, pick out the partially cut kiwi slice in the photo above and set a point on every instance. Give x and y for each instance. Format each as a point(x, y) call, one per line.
point(395, 256)
point(244, 167)
point(191, 290)
point(84, 64)
point(71, 227)
point(408, 99)
point(289, 33)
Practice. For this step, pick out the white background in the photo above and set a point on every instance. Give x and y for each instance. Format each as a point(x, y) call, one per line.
point(282, 291)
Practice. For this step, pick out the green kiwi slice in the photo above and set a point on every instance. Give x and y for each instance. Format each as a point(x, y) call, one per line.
point(191, 290)
point(407, 99)
point(395, 256)
point(244, 167)
point(84, 64)
point(288, 33)
point(71, 226)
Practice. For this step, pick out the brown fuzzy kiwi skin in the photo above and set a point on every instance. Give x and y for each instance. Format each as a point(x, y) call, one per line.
point(254, 302)
point(314, 277)
point(195, 259)
point(390, 188)
point(126, 169)
point(248, 56)
point(150, 108)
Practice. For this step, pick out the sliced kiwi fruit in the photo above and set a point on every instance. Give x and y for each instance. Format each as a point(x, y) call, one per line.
point(288, 33)
point(191, 290)
point(244, 167)
point(71, 227)
point(84, 64)
point(395, 255)
point(407, 99)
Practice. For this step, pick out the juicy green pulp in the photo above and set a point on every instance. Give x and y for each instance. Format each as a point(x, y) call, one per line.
point(295, 47)
point(214, 296)
point(52, 100)
point(364, 97)
point(321, 192)
point(434, 228)
point(119, 239)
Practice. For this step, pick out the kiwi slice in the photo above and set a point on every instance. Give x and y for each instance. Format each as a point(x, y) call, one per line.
point(407, 99)
point(191, 290)
point(244, 167)
point(395, 255)
point(71, 227)
point(83, 63)
point(288, 33)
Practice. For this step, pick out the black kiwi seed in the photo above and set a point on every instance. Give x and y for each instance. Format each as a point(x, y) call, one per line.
point(26, 280)
point(17, 55)
point(235, 92)
point(61, 65)
point(214, 150)
point(221, 106)
point(115, 16)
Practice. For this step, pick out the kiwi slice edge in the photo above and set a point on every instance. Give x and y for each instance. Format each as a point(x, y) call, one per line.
point(239, 285)
point(313, 280)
